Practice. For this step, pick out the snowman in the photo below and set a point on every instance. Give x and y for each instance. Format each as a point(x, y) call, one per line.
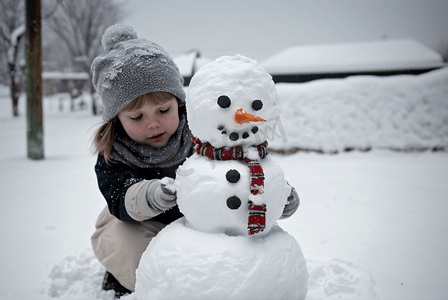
point(231, 192)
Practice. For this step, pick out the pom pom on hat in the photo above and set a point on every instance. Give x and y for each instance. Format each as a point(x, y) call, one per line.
point(115, 34)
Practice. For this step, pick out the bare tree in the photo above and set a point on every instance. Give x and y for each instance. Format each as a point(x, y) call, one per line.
point(33, 51)
point(12, 29)
point(79, 24)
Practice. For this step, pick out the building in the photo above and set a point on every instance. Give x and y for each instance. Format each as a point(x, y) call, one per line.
point(381, 58)
point(64, 82)
point(189, 63)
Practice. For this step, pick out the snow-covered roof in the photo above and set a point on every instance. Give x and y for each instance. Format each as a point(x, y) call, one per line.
point(381, 55)
point(201, 61)
point(185, 63)
point(190, 62)
point(65, 75)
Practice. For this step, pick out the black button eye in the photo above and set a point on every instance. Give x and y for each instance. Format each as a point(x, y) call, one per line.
point(233, 202)
point(224, 101)
point(257, 105)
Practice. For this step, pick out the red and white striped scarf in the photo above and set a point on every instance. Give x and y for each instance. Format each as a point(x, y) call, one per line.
point(257, 213)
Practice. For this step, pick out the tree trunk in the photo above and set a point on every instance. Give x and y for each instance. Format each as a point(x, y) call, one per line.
point(92, 91)
point(34, 80)
point(14, 89)
point(15, 80)
point(15, 92)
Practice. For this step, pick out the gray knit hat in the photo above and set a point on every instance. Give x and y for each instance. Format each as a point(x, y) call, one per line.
point(130, 67)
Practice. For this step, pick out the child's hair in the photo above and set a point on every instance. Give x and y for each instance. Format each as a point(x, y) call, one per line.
point(105, 135)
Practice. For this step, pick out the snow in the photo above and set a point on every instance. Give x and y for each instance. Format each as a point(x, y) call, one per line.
point(381, 55)
point(197, 180)
point(361, 112)
point(14, 39)
point(20, 30)
point(240, 79)
point(369, 222)
point(66, 75)
point(188, 63)
point(220, 266)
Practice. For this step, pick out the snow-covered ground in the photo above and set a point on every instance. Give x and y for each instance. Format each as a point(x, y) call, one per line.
point(370, 223)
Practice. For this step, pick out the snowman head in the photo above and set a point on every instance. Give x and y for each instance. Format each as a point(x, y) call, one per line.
point(230, 100)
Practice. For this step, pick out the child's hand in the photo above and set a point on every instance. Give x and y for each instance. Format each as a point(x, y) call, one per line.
point(161, 194)
point(168, 185)
point(292, 204)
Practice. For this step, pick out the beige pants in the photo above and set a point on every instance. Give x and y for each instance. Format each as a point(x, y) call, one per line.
point(119, 245)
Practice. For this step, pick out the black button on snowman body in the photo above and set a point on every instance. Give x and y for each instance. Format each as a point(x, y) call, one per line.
point(233, 176)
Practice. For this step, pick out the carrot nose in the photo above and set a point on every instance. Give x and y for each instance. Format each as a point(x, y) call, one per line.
point(244, 117)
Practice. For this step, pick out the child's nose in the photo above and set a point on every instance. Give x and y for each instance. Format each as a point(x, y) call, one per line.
point(153, 123)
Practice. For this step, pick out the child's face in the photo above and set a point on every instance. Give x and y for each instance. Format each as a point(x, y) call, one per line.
point(153, 123)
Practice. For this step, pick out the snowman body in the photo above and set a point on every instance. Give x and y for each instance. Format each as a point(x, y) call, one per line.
point(187, 264)
point(215, 203)
point(225, 188)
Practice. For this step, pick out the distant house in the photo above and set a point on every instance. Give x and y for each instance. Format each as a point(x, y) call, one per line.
point(382, 58)
point(189, 63)
point(64, 82)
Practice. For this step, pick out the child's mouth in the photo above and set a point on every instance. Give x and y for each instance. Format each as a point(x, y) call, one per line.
point(156, 137)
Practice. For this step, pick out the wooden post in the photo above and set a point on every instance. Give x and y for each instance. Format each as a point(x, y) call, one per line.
point(34, 80)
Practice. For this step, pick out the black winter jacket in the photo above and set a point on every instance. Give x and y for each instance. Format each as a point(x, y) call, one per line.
point(115, 178)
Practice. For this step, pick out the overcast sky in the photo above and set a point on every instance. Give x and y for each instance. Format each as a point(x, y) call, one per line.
point(260, 28)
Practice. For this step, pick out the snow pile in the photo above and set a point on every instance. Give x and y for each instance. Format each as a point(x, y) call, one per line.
point(79, 275)
point(189, 264)
point(362, 112)
point(338, 279)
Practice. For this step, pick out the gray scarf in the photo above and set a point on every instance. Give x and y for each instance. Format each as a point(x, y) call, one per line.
point(134, 154)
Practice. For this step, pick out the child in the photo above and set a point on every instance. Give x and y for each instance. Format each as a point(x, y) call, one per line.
point(145, 138)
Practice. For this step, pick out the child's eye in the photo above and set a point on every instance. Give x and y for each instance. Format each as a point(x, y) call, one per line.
point(165, 111)
point(137, 118)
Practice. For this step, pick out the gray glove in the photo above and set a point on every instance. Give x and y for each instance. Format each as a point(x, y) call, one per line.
point(161, 194)
point(292, 204)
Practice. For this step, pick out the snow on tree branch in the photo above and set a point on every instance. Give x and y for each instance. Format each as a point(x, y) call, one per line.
point(16, 35)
